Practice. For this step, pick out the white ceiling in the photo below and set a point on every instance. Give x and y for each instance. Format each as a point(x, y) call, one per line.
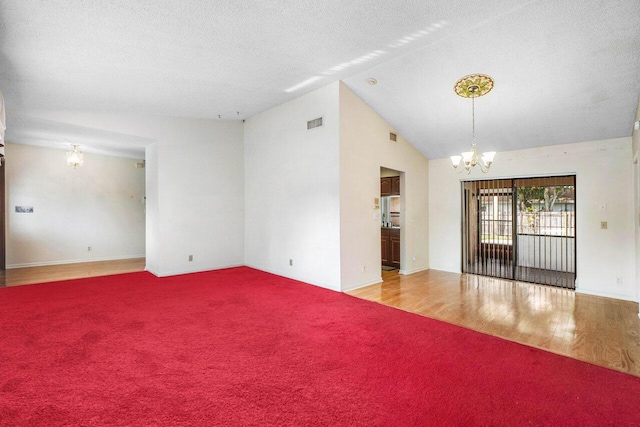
point(564, 71)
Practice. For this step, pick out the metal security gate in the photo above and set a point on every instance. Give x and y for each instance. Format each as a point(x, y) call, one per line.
point(488, 231)
point(522, 229)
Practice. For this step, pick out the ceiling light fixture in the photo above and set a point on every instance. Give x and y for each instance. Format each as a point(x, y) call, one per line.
point(473, 86)
point(75, 158)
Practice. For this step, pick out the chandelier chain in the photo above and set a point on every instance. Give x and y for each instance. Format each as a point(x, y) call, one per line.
point(473, 120)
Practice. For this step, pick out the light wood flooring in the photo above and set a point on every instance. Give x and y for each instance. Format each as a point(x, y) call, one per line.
point(598, 330)
point(593, 329)
point(54, 273)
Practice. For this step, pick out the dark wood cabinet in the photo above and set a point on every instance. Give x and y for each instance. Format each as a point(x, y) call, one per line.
point(390, 247)
point(395, 186)
point(390, 186)
point(394, 247)
point(385, 186)
point(384, 246)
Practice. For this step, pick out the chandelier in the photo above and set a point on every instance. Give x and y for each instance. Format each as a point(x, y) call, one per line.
point(75, 157)
point(473, 86)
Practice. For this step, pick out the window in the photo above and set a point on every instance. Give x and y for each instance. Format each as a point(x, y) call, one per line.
point(496, 218)
point(547, 211)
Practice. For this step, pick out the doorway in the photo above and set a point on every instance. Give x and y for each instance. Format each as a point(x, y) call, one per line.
point(522, 229)
point(390, 219)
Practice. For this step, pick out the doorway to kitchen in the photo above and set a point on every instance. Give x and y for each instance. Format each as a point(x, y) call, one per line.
point(390, 219)
point(522, 229)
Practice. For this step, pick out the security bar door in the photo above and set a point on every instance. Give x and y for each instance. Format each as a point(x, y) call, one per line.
point(522, 229)
point(546, 231)
point(488, 232)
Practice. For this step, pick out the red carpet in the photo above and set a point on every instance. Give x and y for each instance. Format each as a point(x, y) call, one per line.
point(243, 347)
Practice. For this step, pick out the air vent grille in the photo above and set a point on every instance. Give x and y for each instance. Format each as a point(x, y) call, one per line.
point(315, 123)
point(393, 136)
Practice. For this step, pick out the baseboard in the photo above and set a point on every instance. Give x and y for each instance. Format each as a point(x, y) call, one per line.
point(71, 261)
point(416, 270)
point(294, 277)
point(606, 295)
point(155, 273)
point(361, 285)
point(201, 270)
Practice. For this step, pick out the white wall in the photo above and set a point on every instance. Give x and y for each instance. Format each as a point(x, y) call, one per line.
point(365, 147)
point(292, 206)
point(603, 172)
point(99, 205)
point(194, 189)
point(152, 210)
point(636, 210)
point(201, 203)
point(197, 198)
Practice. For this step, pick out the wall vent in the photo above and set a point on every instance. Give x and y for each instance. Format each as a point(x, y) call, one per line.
point(393, 136)
point(315, 123)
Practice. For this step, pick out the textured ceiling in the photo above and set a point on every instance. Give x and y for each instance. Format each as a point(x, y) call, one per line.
point(565, 71)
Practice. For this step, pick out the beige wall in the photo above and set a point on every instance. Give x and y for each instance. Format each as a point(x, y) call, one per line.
point(364, 148)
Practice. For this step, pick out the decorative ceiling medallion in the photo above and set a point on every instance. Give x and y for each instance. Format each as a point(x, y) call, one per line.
point(473, 86)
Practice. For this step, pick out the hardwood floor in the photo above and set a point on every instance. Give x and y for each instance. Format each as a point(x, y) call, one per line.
point(54, 273)
point(593, 329)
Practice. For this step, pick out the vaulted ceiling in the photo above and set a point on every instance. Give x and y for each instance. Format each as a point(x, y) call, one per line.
point(564, 71)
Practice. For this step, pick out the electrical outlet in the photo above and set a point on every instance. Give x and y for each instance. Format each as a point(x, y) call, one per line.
point(88, 248)
point(603, 225)
point(190, 258)
point(290, 261)
point(414, 258)
point(619, 280)
point(364, 267)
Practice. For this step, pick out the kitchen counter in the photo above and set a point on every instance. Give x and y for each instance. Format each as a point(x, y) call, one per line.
point(390, 228)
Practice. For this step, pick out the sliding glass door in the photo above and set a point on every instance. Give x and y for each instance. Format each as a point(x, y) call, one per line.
point(488, 229)
point(522, 229)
